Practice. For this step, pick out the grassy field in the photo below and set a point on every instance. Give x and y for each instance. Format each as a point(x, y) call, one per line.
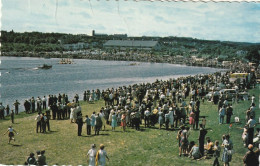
point(147, 147)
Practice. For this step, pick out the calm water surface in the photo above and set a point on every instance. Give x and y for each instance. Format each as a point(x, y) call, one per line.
point(20, 79)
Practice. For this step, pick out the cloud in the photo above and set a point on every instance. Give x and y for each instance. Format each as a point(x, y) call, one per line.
point(213, 21)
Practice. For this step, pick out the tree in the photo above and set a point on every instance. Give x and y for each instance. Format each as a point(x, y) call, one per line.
point(253, 54)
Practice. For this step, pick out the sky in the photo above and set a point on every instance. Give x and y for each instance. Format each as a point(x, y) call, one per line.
point(222, 21)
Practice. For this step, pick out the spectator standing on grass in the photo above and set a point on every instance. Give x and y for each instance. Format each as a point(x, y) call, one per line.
point(38, 122)
point(93, 120)
point(7, 110)
point(251, 125)
point(98, 124)
point(228, 146)
point(2, 109)
point(79, 121)
point(229, 113)
point(251, 157)
point(101, 156)
point(12, 116)
point(48, 115)
point(114, 121)
point(27, 106)
point(43, 122)
point(92, 155)
point(16, 106)
point(197, 118)
point(160, 120)
point(44, 103)
point(147, 118)
point(216, 154)
point(222, 112)
point(123, 120)
point(201, 139)
point(88, 125)
point(33, 105)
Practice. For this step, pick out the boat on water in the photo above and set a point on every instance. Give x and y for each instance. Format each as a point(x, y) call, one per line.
point(133, 64)
point(45, 66)
point(66, 61)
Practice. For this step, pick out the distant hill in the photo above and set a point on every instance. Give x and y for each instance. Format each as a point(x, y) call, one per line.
point(172, 46)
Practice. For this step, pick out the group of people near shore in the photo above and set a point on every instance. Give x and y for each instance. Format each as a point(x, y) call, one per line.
point(160, 102)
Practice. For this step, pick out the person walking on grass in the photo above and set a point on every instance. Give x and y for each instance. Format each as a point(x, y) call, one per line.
point(101, 156)
point(10, 132)
point(92, 155)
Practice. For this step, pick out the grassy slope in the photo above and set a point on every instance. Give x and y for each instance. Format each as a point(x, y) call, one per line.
point(148, 147)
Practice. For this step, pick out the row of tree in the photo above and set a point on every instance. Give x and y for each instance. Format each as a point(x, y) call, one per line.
point(48, 42)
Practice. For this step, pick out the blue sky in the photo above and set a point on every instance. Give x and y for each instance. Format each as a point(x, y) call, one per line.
point(212, 21)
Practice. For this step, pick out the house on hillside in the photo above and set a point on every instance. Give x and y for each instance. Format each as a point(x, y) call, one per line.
point(132, 44)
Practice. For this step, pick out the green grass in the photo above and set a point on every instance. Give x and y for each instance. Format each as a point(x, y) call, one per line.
point(148, 147)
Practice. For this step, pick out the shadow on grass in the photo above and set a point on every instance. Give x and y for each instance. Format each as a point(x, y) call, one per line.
point(87, 135)
point(102, 134)
point(16, 145)
point(50, 132)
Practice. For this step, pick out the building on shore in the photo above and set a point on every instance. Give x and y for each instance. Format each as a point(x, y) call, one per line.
point(75, 46)
point(132, 44)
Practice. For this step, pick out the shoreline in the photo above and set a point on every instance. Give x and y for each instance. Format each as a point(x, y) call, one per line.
point(145, 57)
point(167, 79)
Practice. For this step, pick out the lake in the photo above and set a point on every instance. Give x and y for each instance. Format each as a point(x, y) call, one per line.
point(21, 79)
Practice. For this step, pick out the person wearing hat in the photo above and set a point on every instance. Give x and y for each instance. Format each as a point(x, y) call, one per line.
point(251, 158)
point(92, 155)
point(101, 156)
point(10, 131)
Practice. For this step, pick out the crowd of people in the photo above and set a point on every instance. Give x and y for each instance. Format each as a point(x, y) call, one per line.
point(173, 104)
point(40, 159)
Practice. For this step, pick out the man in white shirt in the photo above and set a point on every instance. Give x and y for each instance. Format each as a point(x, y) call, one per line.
point(38, 122)
point(147, 118)
point(251, 125)
point(92, 155)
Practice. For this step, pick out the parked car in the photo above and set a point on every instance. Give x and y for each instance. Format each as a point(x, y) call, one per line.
point(228, 93)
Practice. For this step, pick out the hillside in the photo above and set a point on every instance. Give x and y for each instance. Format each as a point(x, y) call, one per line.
point(38, 42)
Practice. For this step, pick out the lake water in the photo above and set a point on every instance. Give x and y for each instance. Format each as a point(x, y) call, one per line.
point(20, 79)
